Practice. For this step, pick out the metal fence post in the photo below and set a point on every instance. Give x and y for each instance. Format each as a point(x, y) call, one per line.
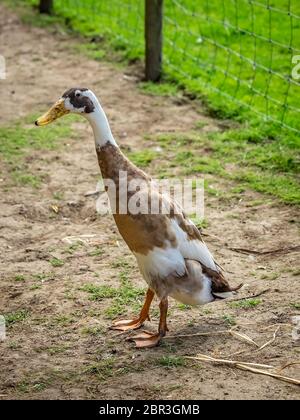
point(46, 6)
point(153, 38)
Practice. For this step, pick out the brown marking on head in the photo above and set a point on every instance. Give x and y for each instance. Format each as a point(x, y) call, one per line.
point(78, 100)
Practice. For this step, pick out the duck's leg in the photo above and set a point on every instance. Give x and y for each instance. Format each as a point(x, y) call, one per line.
point(133, 324)
point(149, 339)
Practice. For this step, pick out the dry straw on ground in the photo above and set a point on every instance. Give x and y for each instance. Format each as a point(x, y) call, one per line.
point(258, 368)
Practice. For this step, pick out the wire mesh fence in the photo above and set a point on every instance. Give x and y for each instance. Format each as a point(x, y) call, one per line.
point(241, 50)
point(240, 54)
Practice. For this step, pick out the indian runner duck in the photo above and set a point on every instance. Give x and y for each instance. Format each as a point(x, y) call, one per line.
point(169, 249)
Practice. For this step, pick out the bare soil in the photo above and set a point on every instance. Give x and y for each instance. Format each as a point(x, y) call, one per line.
point(63, 349)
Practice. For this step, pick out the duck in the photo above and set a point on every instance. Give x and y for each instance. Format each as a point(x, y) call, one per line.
point(169, 249)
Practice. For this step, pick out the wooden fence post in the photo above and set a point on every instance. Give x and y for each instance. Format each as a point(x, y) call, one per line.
point(153, 39)
point(46, 6)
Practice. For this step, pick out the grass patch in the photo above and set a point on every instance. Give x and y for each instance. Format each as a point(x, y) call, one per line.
point(96, 252)
point(99, 23)
point(127, 296)
point(272, 276)
point(122, 263)
point(93, 331)
point(35, 286)
point(142, 158)
point(184, 307)
point(265, 165)
point(92, 50)
point(159, 89)
point(19, 278)
point(26, 387)
point(229, 319)
point(44, 276)
point(21, 139)
point(191, 62)
point(56, 262)
point(99, 292)
point(16, 317)
point(199, 222)
point(257, 154)
point(72, 248)
point(58, 195)
point(245, 304)
point(62, 320)
point(57, 349)
point(122, 298)
point(295, 305)
point(170, 361)
point(103, 369)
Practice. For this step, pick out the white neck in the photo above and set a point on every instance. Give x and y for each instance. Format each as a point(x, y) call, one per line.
point(100, 126)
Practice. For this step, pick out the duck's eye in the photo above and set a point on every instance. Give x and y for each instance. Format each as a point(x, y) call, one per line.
point(78, 95)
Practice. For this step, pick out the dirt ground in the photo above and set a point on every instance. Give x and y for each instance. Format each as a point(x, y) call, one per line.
point(61, 347)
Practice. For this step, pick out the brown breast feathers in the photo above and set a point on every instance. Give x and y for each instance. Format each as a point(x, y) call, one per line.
point(141, 232)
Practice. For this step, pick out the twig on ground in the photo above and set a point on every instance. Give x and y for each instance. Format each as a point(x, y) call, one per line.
point(262, 292)
point(281, 324)
point(197, 334)
point(243, 337)
point(235, 334)
point(288, 365)
point(80, 238)
point(270, 252)
point(206, 358)
point(251, 367)
point(272, 374)
point(270, 341)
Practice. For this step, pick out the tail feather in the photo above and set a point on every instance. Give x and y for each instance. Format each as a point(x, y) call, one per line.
point(219, 284)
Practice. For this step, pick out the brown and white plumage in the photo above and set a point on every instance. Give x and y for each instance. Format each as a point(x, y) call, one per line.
point(170, 252)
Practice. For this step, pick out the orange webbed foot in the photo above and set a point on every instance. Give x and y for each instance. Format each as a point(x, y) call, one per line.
point(146, 339)
point(127, 324)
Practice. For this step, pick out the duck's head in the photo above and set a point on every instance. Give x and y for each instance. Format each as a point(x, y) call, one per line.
point(75, 100)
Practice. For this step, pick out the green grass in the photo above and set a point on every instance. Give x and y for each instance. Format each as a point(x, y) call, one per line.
point(159, 89)
point(20, 278)
point(16, 317)
point(26, 387)
point(199, 222)
point(229, 319)
point(21, 139)
point(56, 262)
point(96, 252)
point(191, 60)
point(271, 276)
point(99, 292)
point(171, 361)
point(103, 369)
point(93, 331)
point(128, 298)
point(125, 297)
point(72, 248)
point(58, 195)
point(184, 307)
point(142, 158)
point(265, 157)
point(53, 350)
point(265, 165)
point(245, 304)
point(62, 320)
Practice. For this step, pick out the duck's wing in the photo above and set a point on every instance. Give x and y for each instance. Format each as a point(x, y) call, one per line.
point(192, 247)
